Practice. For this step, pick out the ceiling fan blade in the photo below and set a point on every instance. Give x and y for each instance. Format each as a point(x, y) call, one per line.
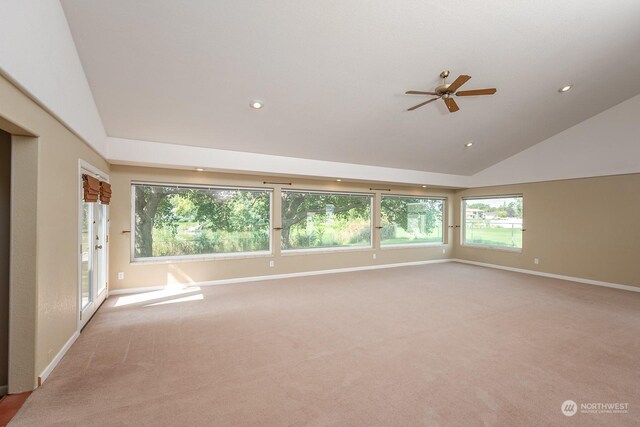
point(424, 103)
point(415, 92)
point(477, 92)
point(458, 82)
point(451, 105)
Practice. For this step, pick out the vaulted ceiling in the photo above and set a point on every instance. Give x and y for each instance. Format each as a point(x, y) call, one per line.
point(332, 74)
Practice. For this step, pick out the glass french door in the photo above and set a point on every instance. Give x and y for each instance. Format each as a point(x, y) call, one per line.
point(93, 254)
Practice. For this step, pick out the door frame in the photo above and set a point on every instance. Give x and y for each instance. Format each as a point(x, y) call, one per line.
point(84, 167)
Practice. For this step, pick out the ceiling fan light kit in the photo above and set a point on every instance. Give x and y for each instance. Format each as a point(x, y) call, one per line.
point(446, 90)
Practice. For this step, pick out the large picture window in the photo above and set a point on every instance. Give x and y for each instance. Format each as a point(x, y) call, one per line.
point(411, 220)
point(325, 220)
point(493, 222)
point(178, 221)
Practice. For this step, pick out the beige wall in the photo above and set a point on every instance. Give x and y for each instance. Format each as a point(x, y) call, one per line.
point(587, 228)
point(47, 215)
point(143, 274)
point(5, 212)
point(23, 296)
point(581, 228)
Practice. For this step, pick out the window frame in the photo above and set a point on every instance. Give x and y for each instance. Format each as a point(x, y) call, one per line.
point(443, 242)
point(197, 257)
point(285, 252)
point(463, 210)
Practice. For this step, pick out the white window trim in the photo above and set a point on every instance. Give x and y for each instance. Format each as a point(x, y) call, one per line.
point(197, 257)
point(412, 196)
point(463, 232)
point(204, 257)
point(329, 192)
point(301, 251)
point(442, 242)
point(493, 248)
point(412, 245)
point(204, 186)
point(333, 249)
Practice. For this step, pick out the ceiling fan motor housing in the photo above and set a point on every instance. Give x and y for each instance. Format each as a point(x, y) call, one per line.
point(443, 89)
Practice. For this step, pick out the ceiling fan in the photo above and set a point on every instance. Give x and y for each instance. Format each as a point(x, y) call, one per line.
point(445, 91)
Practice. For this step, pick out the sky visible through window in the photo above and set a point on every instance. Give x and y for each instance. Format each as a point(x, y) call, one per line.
point(494, 202)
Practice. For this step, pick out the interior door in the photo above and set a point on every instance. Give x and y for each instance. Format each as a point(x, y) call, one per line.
point(93, 258)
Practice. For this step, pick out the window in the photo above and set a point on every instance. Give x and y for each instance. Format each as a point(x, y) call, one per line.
point(325, 220)
point(178, 221)
point(493, 222)
point(411, 220)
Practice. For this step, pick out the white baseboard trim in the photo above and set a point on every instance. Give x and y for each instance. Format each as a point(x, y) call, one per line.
point(4, 389)
point(551, 275)
point(47, 371)
point(375, 267)
point(278, 276)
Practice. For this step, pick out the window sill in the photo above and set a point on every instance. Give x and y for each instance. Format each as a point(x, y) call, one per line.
point(200, 258)
point(310, 251)
point(493, 248)
point(413, 245)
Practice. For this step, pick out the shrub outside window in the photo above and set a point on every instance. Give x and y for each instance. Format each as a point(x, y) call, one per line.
point(312, 220)
point(183, 221)
point(411, 220)
point(494, 222)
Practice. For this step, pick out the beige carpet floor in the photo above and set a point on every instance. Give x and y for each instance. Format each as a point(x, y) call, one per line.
point(442, 344)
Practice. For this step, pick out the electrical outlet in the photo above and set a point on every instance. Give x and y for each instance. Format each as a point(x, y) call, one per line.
point(444, 251)
point(272, 263)
point(121, 275)
point(536, 261)
point(375, 256)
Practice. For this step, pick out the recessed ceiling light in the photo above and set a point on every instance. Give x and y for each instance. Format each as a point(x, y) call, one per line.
point(338, 180)
point(565, 88)
point(468, 144)
point(424, 186)
point(257, 104)
point(199, 169)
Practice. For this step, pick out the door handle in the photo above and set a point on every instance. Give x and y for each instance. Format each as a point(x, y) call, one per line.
point(98, 247)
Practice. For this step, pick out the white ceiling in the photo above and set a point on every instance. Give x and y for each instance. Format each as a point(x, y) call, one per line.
point(333, 73)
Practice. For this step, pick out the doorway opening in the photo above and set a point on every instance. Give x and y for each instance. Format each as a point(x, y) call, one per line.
point(93, 265)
